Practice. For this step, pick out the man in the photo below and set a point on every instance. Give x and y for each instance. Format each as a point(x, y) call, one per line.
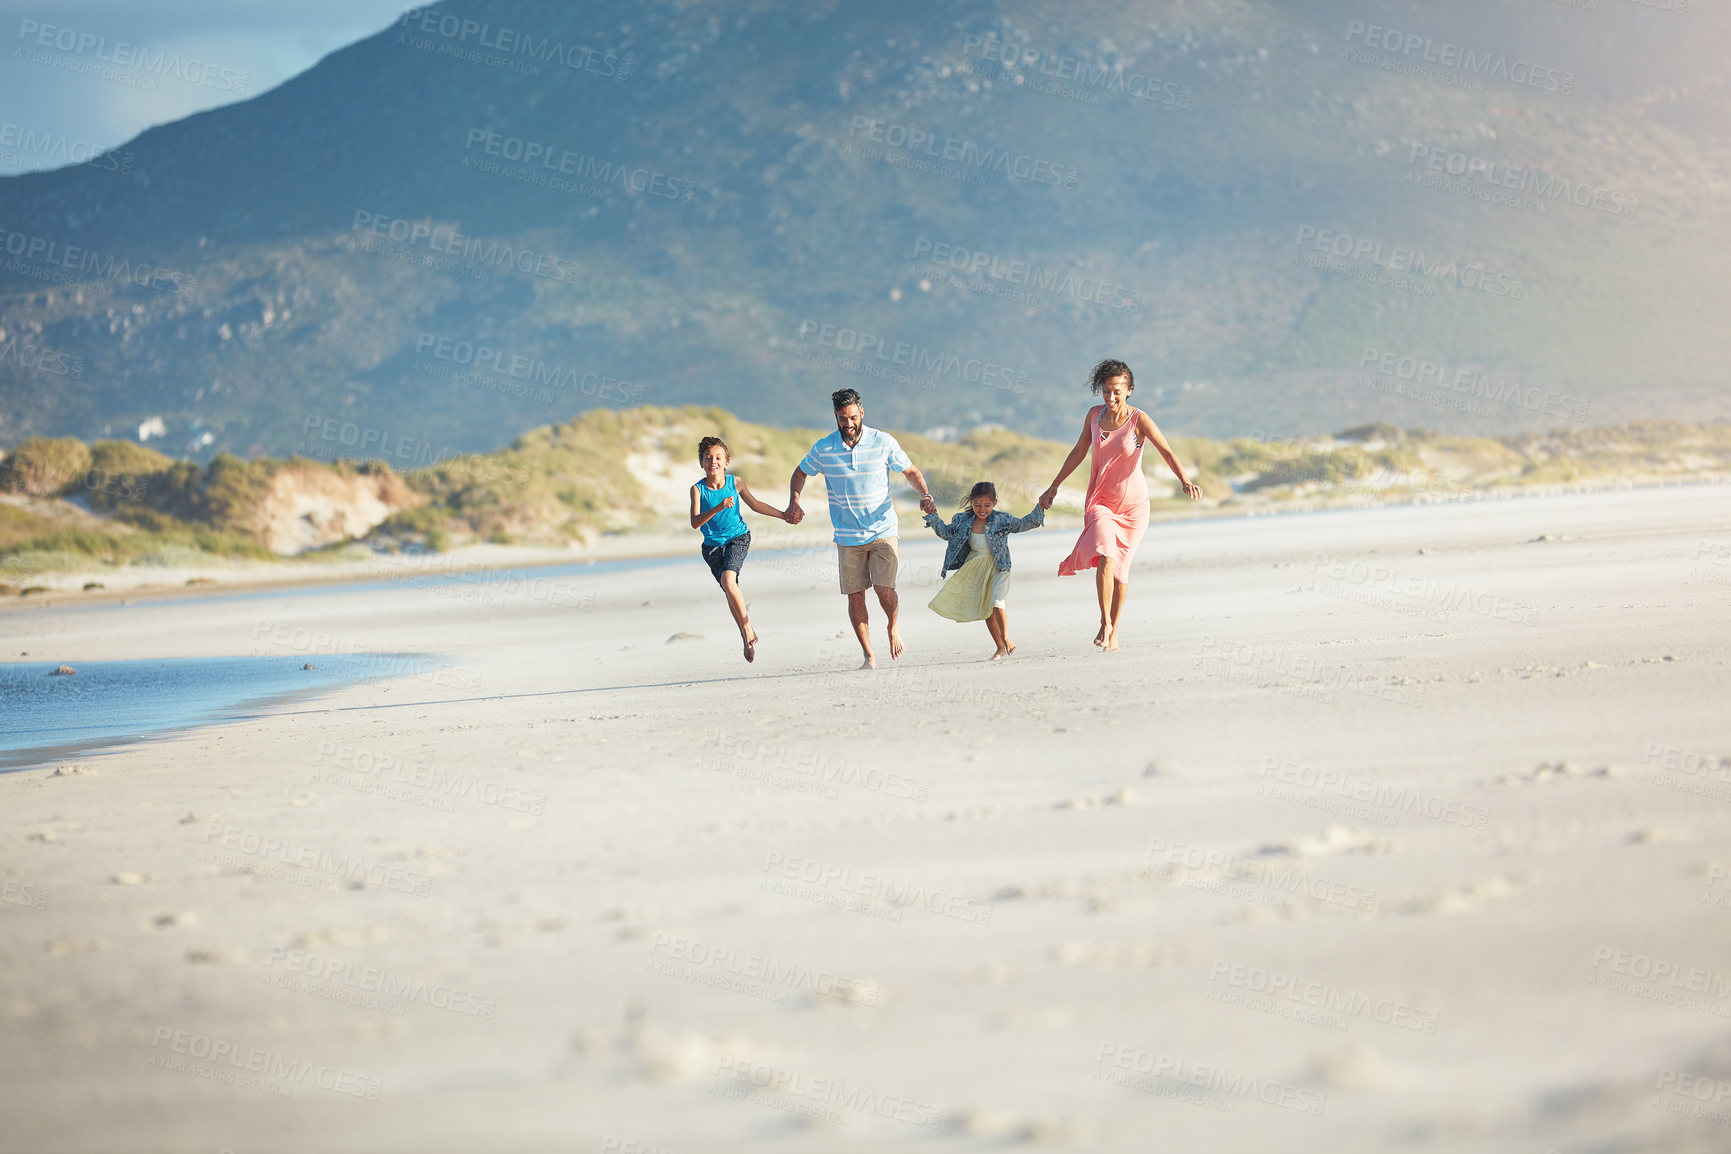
point(855, 462)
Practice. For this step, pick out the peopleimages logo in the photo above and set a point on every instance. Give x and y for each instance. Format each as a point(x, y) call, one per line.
point(1481, 171)
point(1465, 61)
point(1033, 277)
point(1013, 165)
point(124, 55)
point(462, 32)
point(33, 147)
point(1109, 78)
point(564, 162)
point(1475, 275)
point(33, 252)
point(1425, 373)
point(917, 358)
point(449, 241)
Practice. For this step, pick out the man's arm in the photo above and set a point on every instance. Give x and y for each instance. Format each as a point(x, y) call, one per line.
point(794, 514)
point(918, 481)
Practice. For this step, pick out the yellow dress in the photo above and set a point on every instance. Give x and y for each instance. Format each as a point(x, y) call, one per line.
point(967, 595)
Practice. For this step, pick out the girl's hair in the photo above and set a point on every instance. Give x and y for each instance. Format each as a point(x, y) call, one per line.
point(981, 489)
point(709, 443)
point(1106, 370)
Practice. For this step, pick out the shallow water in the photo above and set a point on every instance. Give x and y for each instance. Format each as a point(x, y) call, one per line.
point(43, 716)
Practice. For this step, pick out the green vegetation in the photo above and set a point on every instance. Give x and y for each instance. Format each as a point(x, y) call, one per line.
point(608, 471)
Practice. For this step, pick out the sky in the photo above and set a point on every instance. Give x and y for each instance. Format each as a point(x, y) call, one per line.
point(82, 92)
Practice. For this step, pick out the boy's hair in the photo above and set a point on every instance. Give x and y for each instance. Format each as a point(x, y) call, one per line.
point(842, 398)
point(1106, 370)
point(981, 489)
point(709, 443)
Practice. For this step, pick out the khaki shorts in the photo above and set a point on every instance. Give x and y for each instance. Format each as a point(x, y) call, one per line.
point(873, 563)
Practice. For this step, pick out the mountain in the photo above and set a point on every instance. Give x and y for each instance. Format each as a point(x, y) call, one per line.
point(1485, 219)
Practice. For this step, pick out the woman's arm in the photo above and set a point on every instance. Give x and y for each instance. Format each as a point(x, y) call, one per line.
point(1151, 432)
point(699, 519)
point(1079, 451)
point(756, 505)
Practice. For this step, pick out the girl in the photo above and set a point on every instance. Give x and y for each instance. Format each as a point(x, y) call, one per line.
point(726, 540)
point(979, 552)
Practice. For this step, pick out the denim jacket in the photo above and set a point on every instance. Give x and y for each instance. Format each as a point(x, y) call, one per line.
point(998, 528)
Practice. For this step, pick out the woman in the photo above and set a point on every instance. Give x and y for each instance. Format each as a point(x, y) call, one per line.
point(1117, 502)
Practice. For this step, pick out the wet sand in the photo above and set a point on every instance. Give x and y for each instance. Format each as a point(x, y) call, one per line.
point(1401, 829)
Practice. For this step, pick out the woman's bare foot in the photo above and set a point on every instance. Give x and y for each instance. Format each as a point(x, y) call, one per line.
point(1111, 645)
point(1100, 637)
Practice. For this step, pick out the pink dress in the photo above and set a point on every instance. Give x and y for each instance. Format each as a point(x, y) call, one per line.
point(1117, 503)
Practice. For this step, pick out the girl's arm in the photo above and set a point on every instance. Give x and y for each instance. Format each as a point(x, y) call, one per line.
point(756, 505)
point(698, 519)
point(1031, 521)
point(939, 526)
point(1145, 425)
point(1075, 458)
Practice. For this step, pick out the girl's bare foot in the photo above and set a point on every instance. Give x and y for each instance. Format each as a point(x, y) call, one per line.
point(1009, 647)
point(999, 655)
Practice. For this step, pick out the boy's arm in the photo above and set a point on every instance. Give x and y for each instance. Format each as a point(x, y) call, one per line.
point(746, 495)
point(698, 520)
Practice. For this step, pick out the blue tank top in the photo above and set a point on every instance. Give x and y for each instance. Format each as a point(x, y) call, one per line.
point(727, 524)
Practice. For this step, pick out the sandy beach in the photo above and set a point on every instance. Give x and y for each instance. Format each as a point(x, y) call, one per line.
point(1395, 829)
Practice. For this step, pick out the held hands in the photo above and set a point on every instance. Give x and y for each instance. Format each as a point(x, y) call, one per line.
point(927, 505)
point(1051, 495)
point(793, 515)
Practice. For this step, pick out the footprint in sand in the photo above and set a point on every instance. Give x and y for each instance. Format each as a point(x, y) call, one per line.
point(1335, 839)
point(1547, 771)
point(1462, 899)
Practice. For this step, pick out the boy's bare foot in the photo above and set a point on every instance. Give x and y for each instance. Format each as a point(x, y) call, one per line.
point(895, 644)
point(751, 646)
point(870, 662)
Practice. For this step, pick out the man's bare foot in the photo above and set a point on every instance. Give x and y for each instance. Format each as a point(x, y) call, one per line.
point(751, 645)
point(895, 644)
point(870, 662)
